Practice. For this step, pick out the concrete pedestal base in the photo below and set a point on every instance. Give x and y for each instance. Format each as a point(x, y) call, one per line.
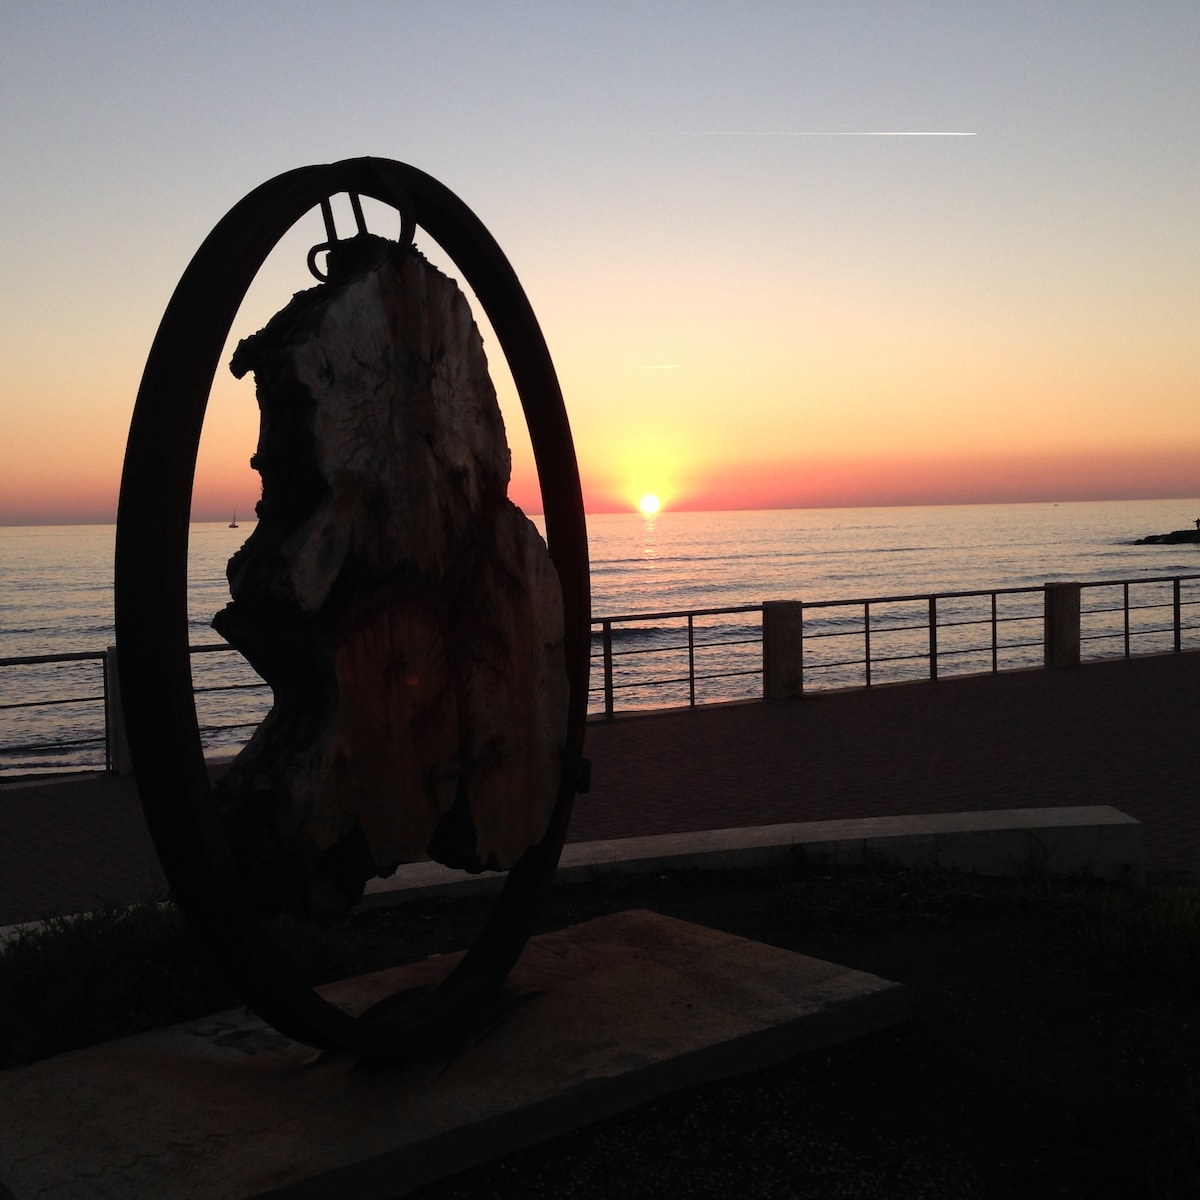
point(614, 1012)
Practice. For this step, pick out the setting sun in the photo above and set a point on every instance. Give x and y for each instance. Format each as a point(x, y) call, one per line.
point(649, 504)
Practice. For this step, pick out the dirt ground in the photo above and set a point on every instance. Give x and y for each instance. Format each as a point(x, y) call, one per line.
point(1054, 1049)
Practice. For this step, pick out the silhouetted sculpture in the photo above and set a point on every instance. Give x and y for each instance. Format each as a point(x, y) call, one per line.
point(404, 611)
point(428, 654)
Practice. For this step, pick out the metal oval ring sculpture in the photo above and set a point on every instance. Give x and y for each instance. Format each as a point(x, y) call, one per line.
point(151, 597)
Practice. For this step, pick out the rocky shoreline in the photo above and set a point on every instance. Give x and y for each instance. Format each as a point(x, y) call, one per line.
point(1170, 539)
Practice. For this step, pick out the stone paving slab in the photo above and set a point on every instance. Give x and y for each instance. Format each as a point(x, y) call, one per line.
point(618, 1010)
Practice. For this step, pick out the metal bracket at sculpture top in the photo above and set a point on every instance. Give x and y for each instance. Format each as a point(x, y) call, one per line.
point(407, 228)
point(151, 591)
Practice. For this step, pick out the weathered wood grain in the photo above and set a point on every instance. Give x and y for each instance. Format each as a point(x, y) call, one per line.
point(405, 612)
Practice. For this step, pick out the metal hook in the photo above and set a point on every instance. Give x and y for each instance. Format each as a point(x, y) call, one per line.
point(407, 229)
point(330, 238)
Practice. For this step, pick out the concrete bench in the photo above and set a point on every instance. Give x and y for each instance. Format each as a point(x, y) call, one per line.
point(1098, 840)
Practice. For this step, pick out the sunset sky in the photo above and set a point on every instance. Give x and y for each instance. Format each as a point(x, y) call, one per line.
point(784, 254)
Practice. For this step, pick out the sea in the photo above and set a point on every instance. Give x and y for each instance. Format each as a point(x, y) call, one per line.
point(56, 600)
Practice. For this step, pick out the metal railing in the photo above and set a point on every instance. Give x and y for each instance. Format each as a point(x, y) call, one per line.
point(204, 687)
point(85, 732)
point(677, 639)
point(1163, 625)
point(648, 660)
point(866, 641)
point(91, 737)
point(949, 632)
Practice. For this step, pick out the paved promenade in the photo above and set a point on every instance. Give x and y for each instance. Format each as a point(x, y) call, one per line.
point(1120, 733)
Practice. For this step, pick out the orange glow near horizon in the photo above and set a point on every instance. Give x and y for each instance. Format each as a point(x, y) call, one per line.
point(844, 416)
point(841, 396)
point(84, 487)
point(884, 482)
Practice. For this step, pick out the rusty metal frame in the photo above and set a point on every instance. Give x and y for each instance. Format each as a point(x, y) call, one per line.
point(151, 596)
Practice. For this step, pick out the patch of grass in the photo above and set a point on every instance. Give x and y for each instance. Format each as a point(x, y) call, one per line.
point(1156, 932)
point(75, 981)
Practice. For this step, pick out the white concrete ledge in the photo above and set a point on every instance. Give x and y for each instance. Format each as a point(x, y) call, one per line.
point(1095, 840)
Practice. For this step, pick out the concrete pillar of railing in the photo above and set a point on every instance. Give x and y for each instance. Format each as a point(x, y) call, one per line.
point(783, 649)
point(1061, 629)
point(119, 760)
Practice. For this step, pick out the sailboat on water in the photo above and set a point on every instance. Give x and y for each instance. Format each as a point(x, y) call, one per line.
point(233, 522)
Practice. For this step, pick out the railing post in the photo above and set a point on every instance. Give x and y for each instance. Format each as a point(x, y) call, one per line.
point(1125, 608)
point(1178, 613)
point(933, 664)
point(691, 663)
point(108, 761)
point(606, 628)
point(1061, 625)
point(995, 639)
point(117, 747)
point(783, 649)
point(867, 642)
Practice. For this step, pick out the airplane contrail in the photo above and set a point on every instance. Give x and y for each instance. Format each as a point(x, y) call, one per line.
point(814, 133)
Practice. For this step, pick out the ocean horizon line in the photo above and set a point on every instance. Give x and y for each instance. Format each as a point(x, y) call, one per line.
point(668, 509)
